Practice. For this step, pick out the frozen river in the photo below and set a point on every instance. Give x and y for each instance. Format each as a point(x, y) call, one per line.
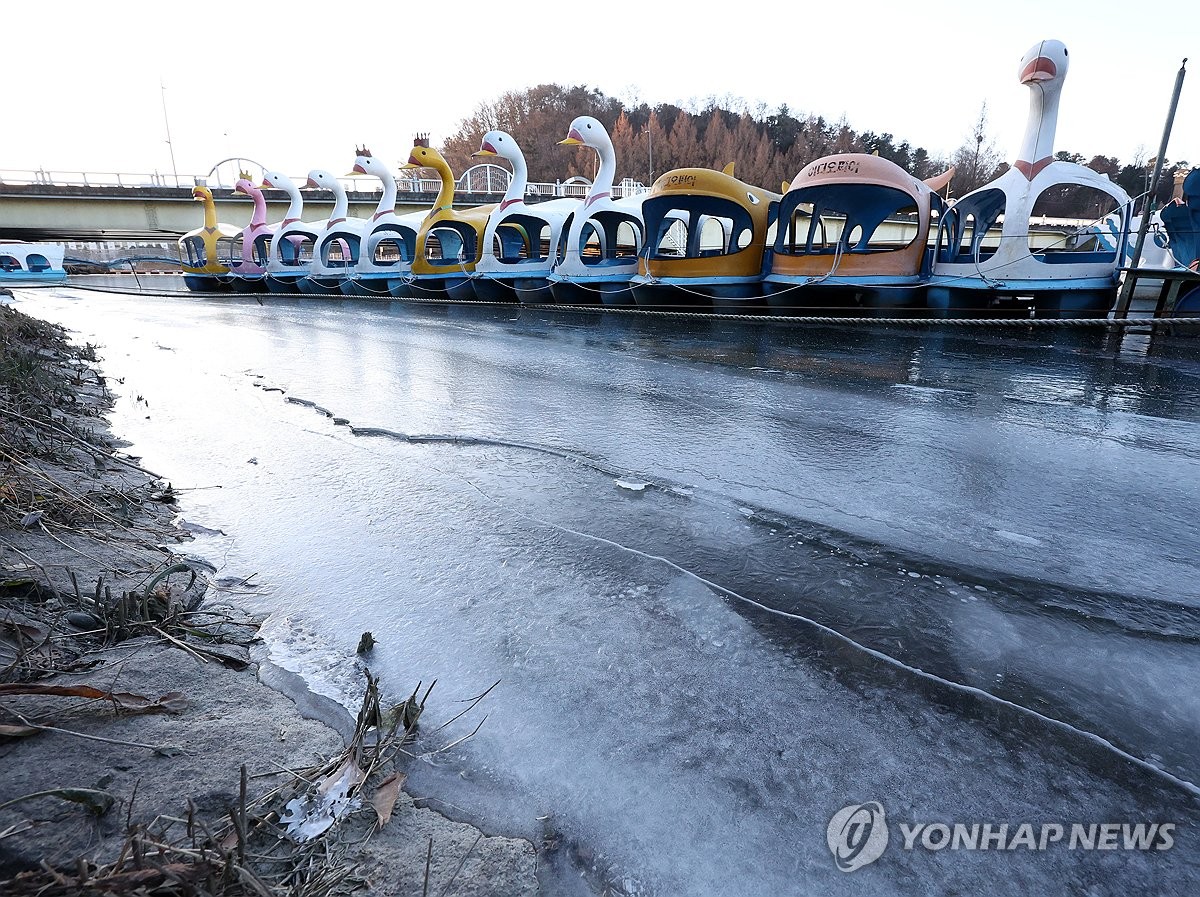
point(730, 578)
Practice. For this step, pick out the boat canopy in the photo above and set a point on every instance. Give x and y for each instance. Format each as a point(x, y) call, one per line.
point(1182, 222)
point(861, 190)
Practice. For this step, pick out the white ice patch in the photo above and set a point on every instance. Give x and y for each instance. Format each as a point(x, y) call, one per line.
point(631, 486)
point(314, 814)
point(1019, 538)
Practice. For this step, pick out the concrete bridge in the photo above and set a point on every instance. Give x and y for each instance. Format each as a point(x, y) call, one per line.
point(82, 206)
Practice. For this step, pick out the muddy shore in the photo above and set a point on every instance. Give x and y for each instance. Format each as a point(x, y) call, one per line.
point(141, 745)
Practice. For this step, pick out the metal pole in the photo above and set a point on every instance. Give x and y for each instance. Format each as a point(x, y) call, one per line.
point(1122, 309)
point(175, 171)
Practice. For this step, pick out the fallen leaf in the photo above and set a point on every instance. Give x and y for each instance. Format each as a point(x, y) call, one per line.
point(386, 795)
point(171, 702)
point(27, 631)
point(30, 519)
point(99, 802)
point(68, 691)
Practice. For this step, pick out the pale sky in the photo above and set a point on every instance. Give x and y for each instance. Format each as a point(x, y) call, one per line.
point(296, 85)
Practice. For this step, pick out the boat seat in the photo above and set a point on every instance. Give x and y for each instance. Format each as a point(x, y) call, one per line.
point(610, 262)
point(1074, 258)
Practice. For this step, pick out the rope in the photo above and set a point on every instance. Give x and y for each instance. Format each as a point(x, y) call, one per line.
point(791, 320)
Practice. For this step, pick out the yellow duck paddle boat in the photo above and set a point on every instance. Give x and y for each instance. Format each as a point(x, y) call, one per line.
point(449, 241)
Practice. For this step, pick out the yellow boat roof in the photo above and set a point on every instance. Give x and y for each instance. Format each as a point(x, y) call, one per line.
point(707, 182)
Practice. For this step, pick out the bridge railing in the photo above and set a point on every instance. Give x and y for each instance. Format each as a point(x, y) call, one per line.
point(492, 182)
point(96, 178)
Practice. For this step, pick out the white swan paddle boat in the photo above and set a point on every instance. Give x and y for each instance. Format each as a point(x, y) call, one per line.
point(335, 252)
point(597, 256)
point(31, 264)
point(390, 240)
point(292, 246)
point(520, 240)
point(972, 275)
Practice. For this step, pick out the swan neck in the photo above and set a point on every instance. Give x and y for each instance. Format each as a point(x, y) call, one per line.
point(520, 179)
point(210, 213)
point(445, 197)
point(259, 218)
point(387, 202)
point(339, 201)
point(608, 171)
point(1038, 142)
point(295, 204)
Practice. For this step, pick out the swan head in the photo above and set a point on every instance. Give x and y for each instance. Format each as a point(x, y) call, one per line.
point(498, 143)
point(201, 194)
point(423, 155)
point(365, 163)
point(245, 187)
point(587, 131)
point(320, 180)
point(1044, 65)
point(275, 180)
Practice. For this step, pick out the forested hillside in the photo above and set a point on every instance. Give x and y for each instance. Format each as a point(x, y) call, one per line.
point(769, 147)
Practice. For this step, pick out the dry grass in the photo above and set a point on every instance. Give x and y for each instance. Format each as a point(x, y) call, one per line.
point(250, 849)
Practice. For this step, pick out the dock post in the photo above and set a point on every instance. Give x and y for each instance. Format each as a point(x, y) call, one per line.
point(1122, 309)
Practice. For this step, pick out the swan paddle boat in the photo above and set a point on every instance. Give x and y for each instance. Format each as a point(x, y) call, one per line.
point(853, 232)
point(248, 274)
point(292, 247)
point(520, 239)
point(598, 253)
point(449, 241)
point(200, 249)
point(706, 235)
point(1182, 222)
point(31, 264)
point(1156, 253)
point(390, 240)
point(972, 275)
point(335, 252)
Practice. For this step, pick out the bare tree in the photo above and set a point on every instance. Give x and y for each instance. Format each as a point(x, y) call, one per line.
point(976, 160)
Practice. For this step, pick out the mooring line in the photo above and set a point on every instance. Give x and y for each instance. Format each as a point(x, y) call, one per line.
point(796, 320)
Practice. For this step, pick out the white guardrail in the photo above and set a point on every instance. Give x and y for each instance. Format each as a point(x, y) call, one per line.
point(486, 179)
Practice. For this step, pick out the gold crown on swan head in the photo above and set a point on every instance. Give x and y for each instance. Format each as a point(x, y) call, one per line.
point(244, 175)
point(362, 151)
point(421, 140)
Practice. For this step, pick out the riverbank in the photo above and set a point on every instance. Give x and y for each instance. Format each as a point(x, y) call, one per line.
point(140, 746)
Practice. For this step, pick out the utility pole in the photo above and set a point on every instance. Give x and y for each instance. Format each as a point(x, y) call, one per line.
point(166, 121)
point(1126, 296)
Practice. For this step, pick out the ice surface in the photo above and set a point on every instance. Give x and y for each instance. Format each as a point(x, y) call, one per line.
point(1018, 519)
